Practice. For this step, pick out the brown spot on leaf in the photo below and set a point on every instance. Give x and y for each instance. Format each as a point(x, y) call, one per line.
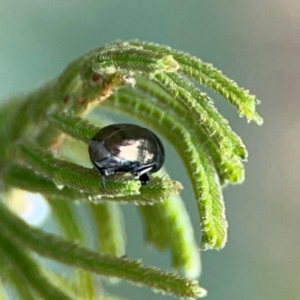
point(96, 77)
point(66, 98)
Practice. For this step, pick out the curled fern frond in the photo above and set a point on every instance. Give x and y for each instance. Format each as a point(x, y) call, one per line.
point(200, 169)
point(46, 136)
point(229, 169)
point(208, 75)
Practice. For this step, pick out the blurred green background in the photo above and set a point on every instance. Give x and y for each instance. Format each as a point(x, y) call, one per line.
point(255, 43)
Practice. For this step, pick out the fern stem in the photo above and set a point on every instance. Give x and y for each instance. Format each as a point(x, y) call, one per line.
point(12, 281)
point(63, 213)
point(109, 226)
point(28, 269)
point(25, 178)
point(177, 233)
point(74, 126)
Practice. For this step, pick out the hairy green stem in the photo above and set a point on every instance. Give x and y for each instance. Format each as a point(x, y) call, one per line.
point(70, 254)
point(28, 269)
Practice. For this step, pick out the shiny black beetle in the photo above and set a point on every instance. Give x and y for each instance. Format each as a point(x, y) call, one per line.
point(126, 148)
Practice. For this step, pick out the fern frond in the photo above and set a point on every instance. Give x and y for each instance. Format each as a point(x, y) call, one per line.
point(44, 149)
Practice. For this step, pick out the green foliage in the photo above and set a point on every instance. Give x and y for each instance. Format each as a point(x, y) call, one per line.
point(44, 150)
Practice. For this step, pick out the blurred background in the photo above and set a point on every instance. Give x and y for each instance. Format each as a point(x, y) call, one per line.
point(253, 42)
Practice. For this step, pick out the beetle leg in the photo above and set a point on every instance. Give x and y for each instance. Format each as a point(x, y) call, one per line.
point(142, 173)
point(104, 173)
point(144, 179)
point(102, 179)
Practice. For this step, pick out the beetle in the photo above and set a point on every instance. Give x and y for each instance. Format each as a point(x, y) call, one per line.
point(126, 148)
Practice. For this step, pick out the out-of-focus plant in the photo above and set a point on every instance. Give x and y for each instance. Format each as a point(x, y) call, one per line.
point(43, 149)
